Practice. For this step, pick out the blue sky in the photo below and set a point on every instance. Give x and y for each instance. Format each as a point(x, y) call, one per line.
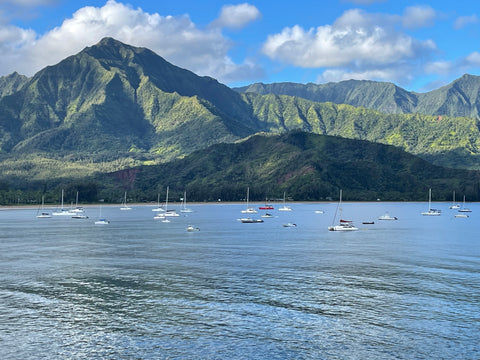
point(419, 46)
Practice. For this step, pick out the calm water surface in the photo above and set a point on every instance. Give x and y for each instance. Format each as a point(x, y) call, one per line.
point(142, 289)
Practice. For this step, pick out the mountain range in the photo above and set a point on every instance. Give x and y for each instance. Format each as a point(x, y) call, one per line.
point(461, 98)
point(113, 106)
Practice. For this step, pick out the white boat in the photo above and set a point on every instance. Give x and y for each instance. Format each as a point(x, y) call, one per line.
point(80, 216)
point(290, 225)
point(250, 220)
point(461, 215)
point(78, 209)
point(191, 228)
point(124, 203)
point(284, 207)
point(386, 216)
point(169, 213)
point(267, 215)
point(464, 209)
point(249, 210)
point(62, 211)
point(101, 221)
point(184, 208)
point(344, 225)
point(43, 214)
point(319, 212)
point(454, 205)
point(430, 211)
point(159, 207)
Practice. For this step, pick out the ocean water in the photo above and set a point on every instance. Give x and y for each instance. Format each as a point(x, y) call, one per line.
point(139, 288)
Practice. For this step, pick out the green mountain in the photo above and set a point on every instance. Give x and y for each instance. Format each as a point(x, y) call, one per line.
point(11, 83)
point(114, 96)
point(458, 99)
point(306, 166)
point(113, 106)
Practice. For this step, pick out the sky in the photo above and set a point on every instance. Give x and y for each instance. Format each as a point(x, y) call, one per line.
point(417, 45)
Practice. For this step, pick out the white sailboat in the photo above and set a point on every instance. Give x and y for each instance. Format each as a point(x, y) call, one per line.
point(184, 208)
point(464, 209)
point(284, 207)
point(159, 207)
point(124, 203)
point(62, 211)
point(78, 209)
point(249, 210)
point(43, 214)
point(169, 213)
point(430, 211)
point(454, 204)
point(101, 221)
point(344, 225)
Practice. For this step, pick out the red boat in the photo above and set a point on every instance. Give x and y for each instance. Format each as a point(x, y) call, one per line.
point(266, 207)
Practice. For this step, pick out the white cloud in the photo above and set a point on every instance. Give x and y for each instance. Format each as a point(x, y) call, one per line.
point(463, 21)
point(237, 16)
point(418, 16)
point(357, 39)
point(176, 38)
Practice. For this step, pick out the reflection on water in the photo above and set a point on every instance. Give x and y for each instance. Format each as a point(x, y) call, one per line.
point(140, 288)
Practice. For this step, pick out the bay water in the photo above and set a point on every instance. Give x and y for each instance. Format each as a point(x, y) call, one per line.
point(139, 288)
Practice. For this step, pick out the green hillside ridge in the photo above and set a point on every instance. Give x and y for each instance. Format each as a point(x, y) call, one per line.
point(306, 166)
point(457, 99)
point(113, 106)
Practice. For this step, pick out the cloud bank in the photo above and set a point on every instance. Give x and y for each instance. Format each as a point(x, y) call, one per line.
point(176, 38)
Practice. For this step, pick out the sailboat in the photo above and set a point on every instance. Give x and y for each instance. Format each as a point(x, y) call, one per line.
point(454, 205)
point(284, 207)
point(430, 211)
point(101, 221)
point(464, 209)
point(159, 207)
point(62, 211)
point(249, 210)
point(124, 203)
point(344, 225)
point(78, 209)
point(169, 212)
point(43, 215)
point(184, 208)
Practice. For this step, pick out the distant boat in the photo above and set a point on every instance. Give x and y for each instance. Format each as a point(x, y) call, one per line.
point(267, 215)
point(184, 208)
point(101, 221)
point(80, 216)
point(266, 206)
point(319, 212)
point(159, 207)
point(63, 211)
point(386, 216)
point(43, 214)
point(290, 225)
point(461, 215)
point(124, 203)
point(454, 204)
point(191, 228)
point(250, 220)
point(284, 207)
point(464, 209)
point(430, 211)
point(169, 213)
point(249, 210)
point(344, 225)
point(78, 209)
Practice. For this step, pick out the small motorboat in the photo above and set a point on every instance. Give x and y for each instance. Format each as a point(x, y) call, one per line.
point(290, 225)
point(368, 222)
point(267, 215)
point(250, 220)
point(80, 216)
point(191, 228)
point(386, 216)
point(102, 222)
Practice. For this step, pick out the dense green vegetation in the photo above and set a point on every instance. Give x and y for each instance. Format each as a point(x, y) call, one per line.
point(117, 109)
point(458, 99)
